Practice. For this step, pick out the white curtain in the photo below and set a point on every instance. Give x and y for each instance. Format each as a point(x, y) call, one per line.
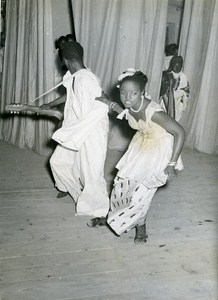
point(199, 47)
point(28, 71)
point(118, 34)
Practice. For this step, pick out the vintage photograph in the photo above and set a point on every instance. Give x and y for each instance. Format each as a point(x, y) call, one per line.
point(109, 150)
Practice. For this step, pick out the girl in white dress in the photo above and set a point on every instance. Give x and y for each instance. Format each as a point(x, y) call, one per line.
point(150, 161)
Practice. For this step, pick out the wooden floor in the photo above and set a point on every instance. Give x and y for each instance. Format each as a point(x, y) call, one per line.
point(47, 253)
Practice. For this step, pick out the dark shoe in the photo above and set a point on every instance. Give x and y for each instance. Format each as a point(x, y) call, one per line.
point(140, 236)
point(62, 194)
point(102, 222)
point(96, 222)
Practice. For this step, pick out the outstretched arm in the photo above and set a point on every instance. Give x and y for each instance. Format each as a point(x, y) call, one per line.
point(113, 106)
point(55, 102)
point(173, 127)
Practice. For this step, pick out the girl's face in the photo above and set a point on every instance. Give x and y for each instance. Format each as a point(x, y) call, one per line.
point(130, 93)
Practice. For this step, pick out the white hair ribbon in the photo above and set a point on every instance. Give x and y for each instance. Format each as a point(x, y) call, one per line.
point(128, 72)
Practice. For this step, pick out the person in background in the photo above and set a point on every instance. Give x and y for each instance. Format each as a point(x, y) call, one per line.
point(150, 161)
point(59, 46)
point(170, 51)
point(77, 163)
point(60, 42)
point(166, 99)
point(175, 101)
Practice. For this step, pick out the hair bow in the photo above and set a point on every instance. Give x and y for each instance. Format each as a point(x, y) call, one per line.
point(128, 72)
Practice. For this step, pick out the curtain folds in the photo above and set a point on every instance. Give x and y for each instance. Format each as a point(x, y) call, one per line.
point(119, 34)
point(28, 72)
point(115, 34)
point(199, 47)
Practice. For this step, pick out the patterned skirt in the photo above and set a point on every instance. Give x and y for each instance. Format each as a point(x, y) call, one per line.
point(130, 201)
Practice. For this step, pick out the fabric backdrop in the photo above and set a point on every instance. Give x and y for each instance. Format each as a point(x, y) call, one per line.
point(119, 34)
point(28, 71)
point(115, 34)
point(199, 47)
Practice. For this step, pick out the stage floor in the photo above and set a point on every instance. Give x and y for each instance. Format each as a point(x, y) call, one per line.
point(48, 253)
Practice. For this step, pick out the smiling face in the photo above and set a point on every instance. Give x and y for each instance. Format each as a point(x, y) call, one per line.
point(130, 94)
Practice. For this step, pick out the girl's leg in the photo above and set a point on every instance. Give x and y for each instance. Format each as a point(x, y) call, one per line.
point(140, 235)
point(124, 219)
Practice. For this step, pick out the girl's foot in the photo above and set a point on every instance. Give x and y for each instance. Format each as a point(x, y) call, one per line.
point(96, 222)
point(140, 236)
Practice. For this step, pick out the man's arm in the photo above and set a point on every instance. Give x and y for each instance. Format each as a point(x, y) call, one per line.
point(58, 101)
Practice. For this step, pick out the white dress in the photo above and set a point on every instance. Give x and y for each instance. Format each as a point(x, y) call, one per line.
point(78, 161)
point(181, 95)
point(140, 172)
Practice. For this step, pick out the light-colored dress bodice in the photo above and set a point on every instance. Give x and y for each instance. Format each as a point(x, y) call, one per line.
point(150, 149)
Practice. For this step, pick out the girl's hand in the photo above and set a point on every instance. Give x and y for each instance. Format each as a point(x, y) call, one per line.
point(171, 172)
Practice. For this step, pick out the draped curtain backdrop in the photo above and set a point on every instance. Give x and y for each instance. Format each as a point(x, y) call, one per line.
point(115, 34)
point(28, 71)
point(199, 47)
point(119, 34)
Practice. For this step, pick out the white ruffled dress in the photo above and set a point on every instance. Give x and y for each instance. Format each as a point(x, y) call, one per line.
point(140, 172)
